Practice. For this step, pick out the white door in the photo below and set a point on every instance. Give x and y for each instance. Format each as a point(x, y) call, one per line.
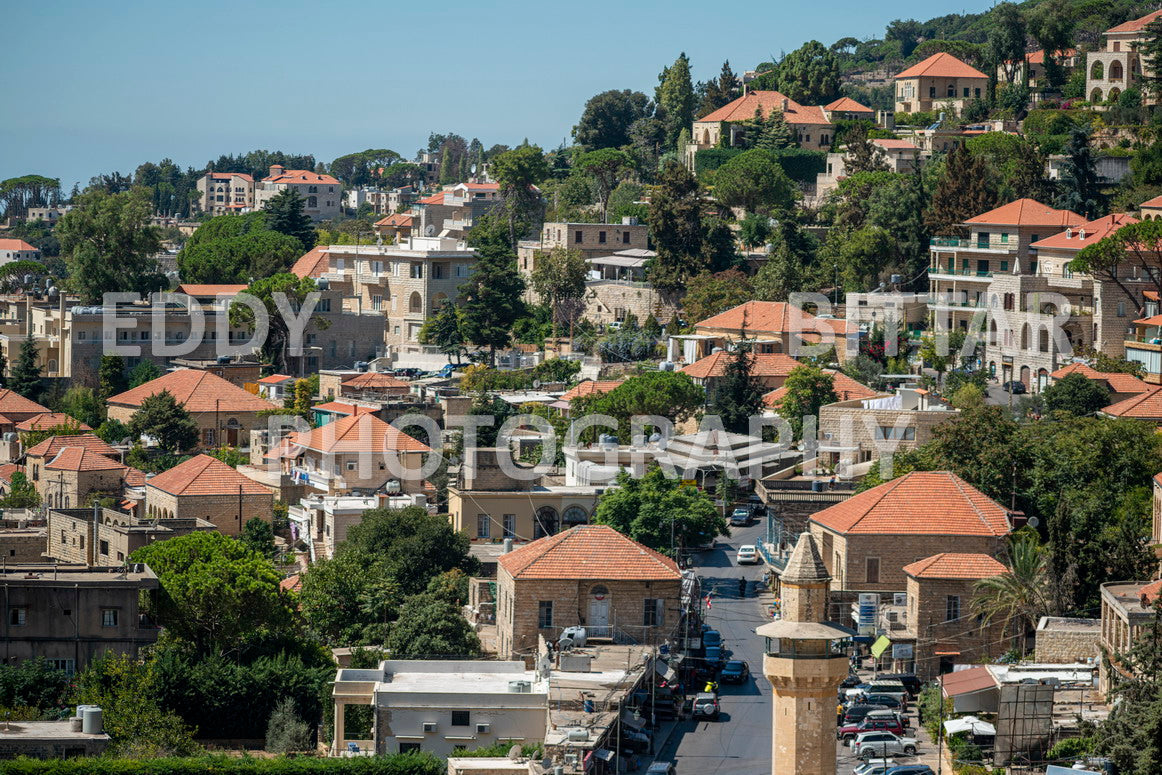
point(598, 620)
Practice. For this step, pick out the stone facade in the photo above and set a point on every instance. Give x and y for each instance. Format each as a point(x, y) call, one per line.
point(71, 489)
point(866, 429)
point(941, 618)
point(104, 537)
point(228, 513)
point(608, 301)
point(1063, 641)
point(23, 544)
point(226, 192)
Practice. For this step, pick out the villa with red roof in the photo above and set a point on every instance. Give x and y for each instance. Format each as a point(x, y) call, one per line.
point(226, 192)
point(1120, 65)
point(940, 82)
point(322, 194)
point(591, 576)
point(811, 124)
point(204, 487)
point(770, 326)
point(17, 250)
point(867, 540)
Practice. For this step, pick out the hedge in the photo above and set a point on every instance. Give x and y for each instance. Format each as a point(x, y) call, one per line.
point(709, 159)
point(395, 764)
point(800, 164)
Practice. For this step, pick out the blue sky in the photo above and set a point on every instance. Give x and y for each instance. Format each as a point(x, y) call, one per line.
point(93, 87)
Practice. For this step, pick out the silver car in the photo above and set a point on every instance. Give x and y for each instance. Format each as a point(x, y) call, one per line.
point(882, 744)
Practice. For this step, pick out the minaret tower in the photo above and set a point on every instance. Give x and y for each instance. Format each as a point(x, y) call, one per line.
point(805, 660)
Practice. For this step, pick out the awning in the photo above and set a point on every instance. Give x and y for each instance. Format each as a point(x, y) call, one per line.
point(603, 754)
point(970, 724)
point(665, 671)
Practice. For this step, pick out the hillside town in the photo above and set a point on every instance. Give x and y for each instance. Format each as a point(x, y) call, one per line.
point(805, 420)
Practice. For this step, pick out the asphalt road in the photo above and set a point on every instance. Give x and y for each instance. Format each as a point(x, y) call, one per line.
point(740, 741)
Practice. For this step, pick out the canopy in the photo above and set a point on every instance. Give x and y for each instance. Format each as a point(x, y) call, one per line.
point(970, 724)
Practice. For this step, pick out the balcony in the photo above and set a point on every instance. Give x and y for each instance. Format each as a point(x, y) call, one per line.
point(943, 271)
point(961, 243)
point(937, 300)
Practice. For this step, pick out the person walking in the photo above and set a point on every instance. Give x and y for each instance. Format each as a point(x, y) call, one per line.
point(742, 587)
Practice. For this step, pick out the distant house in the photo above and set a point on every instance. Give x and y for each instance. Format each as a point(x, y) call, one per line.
point(940, 82)
point(1031, 69)
point(75, 474)
point(1120, 386)
point(277, 387)
point(1120, 65)
point(205, 488)
point(846, 389)
point(226, 192)
point(373, 384)
point(726, 126)
point(769, 326)
point(17, 250)
point(322, 194)
point(770, 370)
point(106, 537)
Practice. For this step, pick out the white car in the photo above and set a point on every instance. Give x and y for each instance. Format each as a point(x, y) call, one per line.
point(868, 745)
point(874, 767)
point(748, 554)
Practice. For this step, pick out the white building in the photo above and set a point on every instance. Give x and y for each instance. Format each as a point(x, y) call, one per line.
point(17, 250)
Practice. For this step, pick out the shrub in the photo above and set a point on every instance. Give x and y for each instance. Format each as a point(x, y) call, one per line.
point(286, 732)
point(800, 164)
point(710, 159)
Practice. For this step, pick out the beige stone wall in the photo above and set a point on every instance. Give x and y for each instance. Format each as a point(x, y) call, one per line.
point(1064, 645)
point(213, 427)
point(228, 513)
point(70, 489)
point(23, 544)
point(465, 506)
point(915, 94)
point(848, 424)
point(607, 301)
point(928, 618)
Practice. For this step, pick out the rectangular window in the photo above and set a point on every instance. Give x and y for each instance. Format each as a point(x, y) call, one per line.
point(577, 236)
point(965, 91)
point(483, 524)
point(601, 237)
point(350, 465)
point(1004, 237)
point(408, 747)
point(461, 718)
point(18, 617)
point(510, 526)
point(417, 271)
point(544, 613)
point(1004, 266)
point(377, 302)
point(208, 437)
point(653, 612)
point(872, 570)
point(67, 666)
point(108, 617)
point(324, 305)
point(952, 608)
point(1121, 309)
point(892, 433)
point(105, 548)
point(625, 238)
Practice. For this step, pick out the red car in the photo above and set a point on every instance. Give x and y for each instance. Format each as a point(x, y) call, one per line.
point(849, 732)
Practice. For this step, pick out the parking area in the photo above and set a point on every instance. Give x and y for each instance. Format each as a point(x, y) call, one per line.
point(846, 761)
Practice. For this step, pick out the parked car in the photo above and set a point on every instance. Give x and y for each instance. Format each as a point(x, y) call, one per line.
point(711, 638)
point(849, 732)
point(886, 700)
point(888, 713)
point(1014, 387)
point(850, 682)
point(740, 517)
point(705, 705)
point(874, 767)
point(909, 681)
point(661, 768)
point(910, 769)
point(748, 554)
point(716, 656)
point(734, 672)
point(858, 712)
point(867, 745)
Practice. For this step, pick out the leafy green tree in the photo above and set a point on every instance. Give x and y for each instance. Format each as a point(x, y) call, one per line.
point(906, 33)
point(286, 732)
point(363, 168)
point(21, 494)
point(675, 221)
point(25, 377)
point(625, 201)
point(284, 214)
point(111, 376)
point(719, 92)
point(112, 431)
point(289, 290)
point(668, 394)
point(810, 74)
point(83, 404)
point(430, 627)
point(1135, 245)
point(559, 280)
point(608, 116)
point(258, 536)
point(739, 395)
point(755, 182)
point(1051, 24)
point(444, 330)
point(660, 512)
point(808, 388)
point(963, 191)
point(215, 593)
point(519, 172)
point(709, 294)
point(18, 194)
point(863, 256)
point(1015, 166)
point(109, 244)
point(1006, 40)
point(351, 598)
point(161, 417)
point(1020, 595)
point(236, 259)
point(675, 98)
point(607, 166)
point(754, 231)
point(1080, 189)
point(491, 300)
point(862, 154)
point(1077, 395)
point(1151, 52)
point(145, 371)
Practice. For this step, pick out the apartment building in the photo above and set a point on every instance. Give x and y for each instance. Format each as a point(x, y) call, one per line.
point(226, 192)
point(322, 194)
point(940, 82)
point(1119, 65)
point(453, 212)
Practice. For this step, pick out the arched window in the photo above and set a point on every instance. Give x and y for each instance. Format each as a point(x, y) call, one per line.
point(1095, 95)
point(312, 202)
point(546, 523)
point(1116, 71)
point(415, 303)
point(992, 332)
point(1097, 71)
point(574, 515)
point(1043, 339)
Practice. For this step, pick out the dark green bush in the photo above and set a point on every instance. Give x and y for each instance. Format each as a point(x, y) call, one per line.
point(397, 764)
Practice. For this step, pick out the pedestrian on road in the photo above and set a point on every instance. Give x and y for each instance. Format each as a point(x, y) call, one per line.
point(742, 587)
point(839, 713)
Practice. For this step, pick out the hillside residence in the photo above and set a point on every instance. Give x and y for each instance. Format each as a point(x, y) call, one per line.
point(72, 475)
point(592, 240)
point(322, 194)
point(70, 615)
point(205, 488)
point(451, 213)
point(17, 250)
point(224, 412)
point(769, 327)
point(1127, 607)
point(1031, 70)
point(277, 387)
point(438, 705)
point(1146, 407)
point(322, 521)
point(225, 192)
point(618, 287)
point(898, 155)
point(15, 409)
point(1119, 65)
point(865, 428)
point(940, 82)
point(100, 537)
point(726, 127)
point(591, 576)
point(846, 389)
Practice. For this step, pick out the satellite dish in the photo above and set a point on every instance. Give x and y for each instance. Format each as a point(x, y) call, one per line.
point(1033, 522)
point(473, 169)
point(430, 230)
point(536, 384)
point(514, 752)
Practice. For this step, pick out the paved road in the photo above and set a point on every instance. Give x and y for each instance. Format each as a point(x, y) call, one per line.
point(740, 741)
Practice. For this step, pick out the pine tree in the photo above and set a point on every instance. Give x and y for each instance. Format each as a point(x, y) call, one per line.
point(720, 91)
point(739, 395)
point(111, 375)
point(964, 191)
point(1079, 189)
point(284, 213)
point(862, 154)
point(490, 302)
point(675, 98)
point(775, 133)
point(25, 378)
point(443, 331)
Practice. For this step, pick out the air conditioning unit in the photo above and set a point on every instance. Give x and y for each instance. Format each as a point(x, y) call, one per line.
point(429, 726)
point(571, 759)
point(483, 729)
point(899, 598)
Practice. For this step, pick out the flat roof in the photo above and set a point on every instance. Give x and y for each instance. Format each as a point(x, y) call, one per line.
point(76, 574)
point(44, 730)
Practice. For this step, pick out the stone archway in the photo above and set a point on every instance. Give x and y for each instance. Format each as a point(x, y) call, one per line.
point(1097, 71)
point(1095, 96)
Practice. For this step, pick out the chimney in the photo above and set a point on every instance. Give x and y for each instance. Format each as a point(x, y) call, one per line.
point(275, 170)
point(785, 104)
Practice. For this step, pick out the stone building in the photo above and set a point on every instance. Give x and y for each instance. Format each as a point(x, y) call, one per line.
point(322, 194)
point(867, 428)
point(451, 213)
point(73, 475)
point(19, 545)
point(1127, 608)
point(70, 615)
point(941, 82)
point(618, 287)
point(205, 488)
point(1067, 640)
point(591, 576)
point(770, 327)
point(226, 192)
point(727, 126)
point(101, 537)
point(867, 540)
point(17, 250)
point(1119, 65)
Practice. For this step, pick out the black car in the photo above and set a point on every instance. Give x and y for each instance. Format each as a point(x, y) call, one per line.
point(910, 681)
point(857, 713)
point(883, 699)
point(734, 672)
point(1016, 388)
point(851, 681)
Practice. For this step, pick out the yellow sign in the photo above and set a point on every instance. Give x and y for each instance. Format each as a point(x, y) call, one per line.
point(880, 646)
point(689, 482)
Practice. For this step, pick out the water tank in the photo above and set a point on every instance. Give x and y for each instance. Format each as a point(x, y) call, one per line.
point(507, 545)
point(322, 283)
point(666, 366)
point(578, 735)
point(576, 634)
point(896, 279)
point(817, 485)
point(91, 721)
point(520, 687)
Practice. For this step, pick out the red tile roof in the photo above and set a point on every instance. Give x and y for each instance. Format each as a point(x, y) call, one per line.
point(291, 583)
point(847, 105)
point(1155, 202)
point(589, 552)
point(974, 679)
point(743, 109)
point(590, 387)
point(396, 219)
point(762, 365)
point(134, 477)
point(81, 459)
point(1117, 382)
point(275, 379)
point(205, 475)
point(894, 145)
point(229, 175)
point(846, 389)
point(16, 244)
point(313, 263)
point(372, 380)
point(434, 199)
point(1028, 212)
point(197, 391)
point(771, 317)
point(358, 433)
point(1143, 406)
point(1093, 231)
point(341, 407)
point(54, 444)
point(1135, 25)
point(1038, 57)
point(918, 503)
point(950, 565)
point(12, 404)
point(301, 176)
point(7, 470)
point(196, 289)
point(47, 420)
point(1155, 320)
point(941, 65)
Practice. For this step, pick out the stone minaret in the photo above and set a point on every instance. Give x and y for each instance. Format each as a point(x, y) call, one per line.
point(806, 658)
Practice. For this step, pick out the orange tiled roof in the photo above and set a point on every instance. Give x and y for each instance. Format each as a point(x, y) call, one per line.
point(596, 552)
point(941, 65)
point(1028, 212)
point(54, 444)
point(1143, 406)
point(16, 244)
point(848, 105)
point(197, 391)
point(301, 176)
point(373, 380)
point(396, 219)
point(341, 407)
point(894, 145)
point(846, 389)
point(590, 387)
point(1135, 25)
point(950, 565)
point(918, 503)
point(1118, 382)
point(1155, 320)
point(743, 109)
point(974, 679)
point(7, 470)
point(205, 475)
point(12, 403)
point(1094, 231)
point(292, 583)
point(1038, 57)
point(81, 459)
point(762, 365)
point(313, 263)
point(43, 422)
point(274, 379)
point(1155, 202)
point(201, 289)
point(134, 477)
point(358, 433)
point(229, 175)
point(434, 199)
point(770, 317)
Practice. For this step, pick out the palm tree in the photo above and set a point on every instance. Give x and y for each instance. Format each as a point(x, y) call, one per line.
point(1022, 593)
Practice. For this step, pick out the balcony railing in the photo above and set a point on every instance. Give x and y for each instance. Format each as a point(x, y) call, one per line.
point(971, 244)
point(959, 272)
